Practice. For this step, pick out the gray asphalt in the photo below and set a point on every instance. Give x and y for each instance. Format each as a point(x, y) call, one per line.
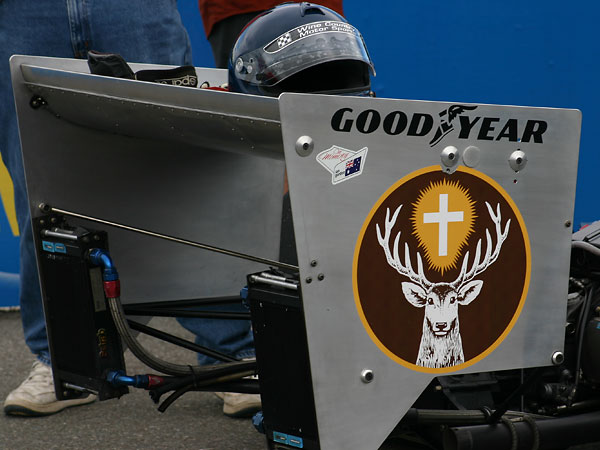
point(195, 421)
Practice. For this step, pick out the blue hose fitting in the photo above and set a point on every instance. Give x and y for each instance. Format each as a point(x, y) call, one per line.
point(102, 258)
point(110, 276)
point(118, 378)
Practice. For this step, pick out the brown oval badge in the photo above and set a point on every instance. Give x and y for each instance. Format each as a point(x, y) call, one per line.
point(441, 269)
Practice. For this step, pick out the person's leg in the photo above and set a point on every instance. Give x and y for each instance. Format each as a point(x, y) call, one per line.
point(160, 38)
point(232, 337)
point(144, 32)
point(29, 28)
point(140, 31)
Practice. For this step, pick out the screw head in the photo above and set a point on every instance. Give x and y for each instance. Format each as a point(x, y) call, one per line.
point(304, 145)
point(449, 158)
point(367, 375)
point(558, 358)
point(321, 276)
point(308, 280)
point(313, 263)
point(517, 160)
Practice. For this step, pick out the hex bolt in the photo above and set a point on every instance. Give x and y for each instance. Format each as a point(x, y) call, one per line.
point(367, 375)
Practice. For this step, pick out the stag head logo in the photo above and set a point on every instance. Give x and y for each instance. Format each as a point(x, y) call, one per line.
point(441, 344)
point(442, 239)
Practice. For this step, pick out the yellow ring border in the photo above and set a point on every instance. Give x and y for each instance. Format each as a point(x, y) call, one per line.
point(517, 313)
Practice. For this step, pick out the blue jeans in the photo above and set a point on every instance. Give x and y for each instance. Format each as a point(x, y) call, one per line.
point(148, 31)
point(232, 337)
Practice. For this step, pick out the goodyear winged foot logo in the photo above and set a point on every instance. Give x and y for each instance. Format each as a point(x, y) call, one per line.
point(441, 269)
point(466, 122)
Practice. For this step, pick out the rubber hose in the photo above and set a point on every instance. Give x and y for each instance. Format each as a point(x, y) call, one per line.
point(116, 310)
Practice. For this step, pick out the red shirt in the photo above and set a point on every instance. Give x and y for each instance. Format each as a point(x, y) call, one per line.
point(213, 11)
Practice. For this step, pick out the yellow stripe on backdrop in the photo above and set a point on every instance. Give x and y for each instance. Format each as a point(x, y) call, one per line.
point(8, 199)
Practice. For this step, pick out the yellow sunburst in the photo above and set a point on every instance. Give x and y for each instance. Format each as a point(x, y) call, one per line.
point(442, 220)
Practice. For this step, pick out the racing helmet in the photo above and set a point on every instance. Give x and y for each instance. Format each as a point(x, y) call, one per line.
point(300, 47)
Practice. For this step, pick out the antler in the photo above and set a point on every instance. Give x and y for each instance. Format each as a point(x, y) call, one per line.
point(394, 260)
point(489, 257)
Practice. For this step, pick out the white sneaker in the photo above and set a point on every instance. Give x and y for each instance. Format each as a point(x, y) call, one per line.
point(35, 396)
point(240, 405)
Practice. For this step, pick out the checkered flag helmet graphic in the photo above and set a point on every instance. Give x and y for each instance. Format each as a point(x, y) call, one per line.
point(284, 40)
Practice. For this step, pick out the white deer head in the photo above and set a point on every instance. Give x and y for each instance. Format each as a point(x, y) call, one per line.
point(441, 344)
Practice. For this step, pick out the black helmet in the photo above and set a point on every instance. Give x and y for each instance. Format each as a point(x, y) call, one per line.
point(300, 47)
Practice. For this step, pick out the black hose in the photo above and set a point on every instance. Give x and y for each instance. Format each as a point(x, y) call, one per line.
point(514, 439)
point(118, 316)
point(174, 396)
point(535, 430)
point(586, 246)
point(589, 295)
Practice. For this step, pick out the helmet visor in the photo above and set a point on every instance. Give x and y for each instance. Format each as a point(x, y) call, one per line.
point(299, 48)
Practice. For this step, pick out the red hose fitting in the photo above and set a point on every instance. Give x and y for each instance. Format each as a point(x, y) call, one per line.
point(112, 289)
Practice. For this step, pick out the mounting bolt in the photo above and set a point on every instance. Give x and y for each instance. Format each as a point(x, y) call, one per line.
point(517, 160)
point(37, 102)
point(304, 145)
point(321, 276)
point(558, 358)
point(449, 158)
point(568, 224)
point(367, 375)
point(308, 280)
point(313, 263)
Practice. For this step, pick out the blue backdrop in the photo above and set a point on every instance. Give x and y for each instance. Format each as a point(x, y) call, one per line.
point(530, 53)
point(534, 53)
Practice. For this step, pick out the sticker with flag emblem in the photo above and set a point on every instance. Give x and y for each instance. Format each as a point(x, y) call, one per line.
point(342, 163)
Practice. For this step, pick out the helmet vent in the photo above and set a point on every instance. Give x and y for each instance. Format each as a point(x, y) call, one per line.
point(309, 8)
